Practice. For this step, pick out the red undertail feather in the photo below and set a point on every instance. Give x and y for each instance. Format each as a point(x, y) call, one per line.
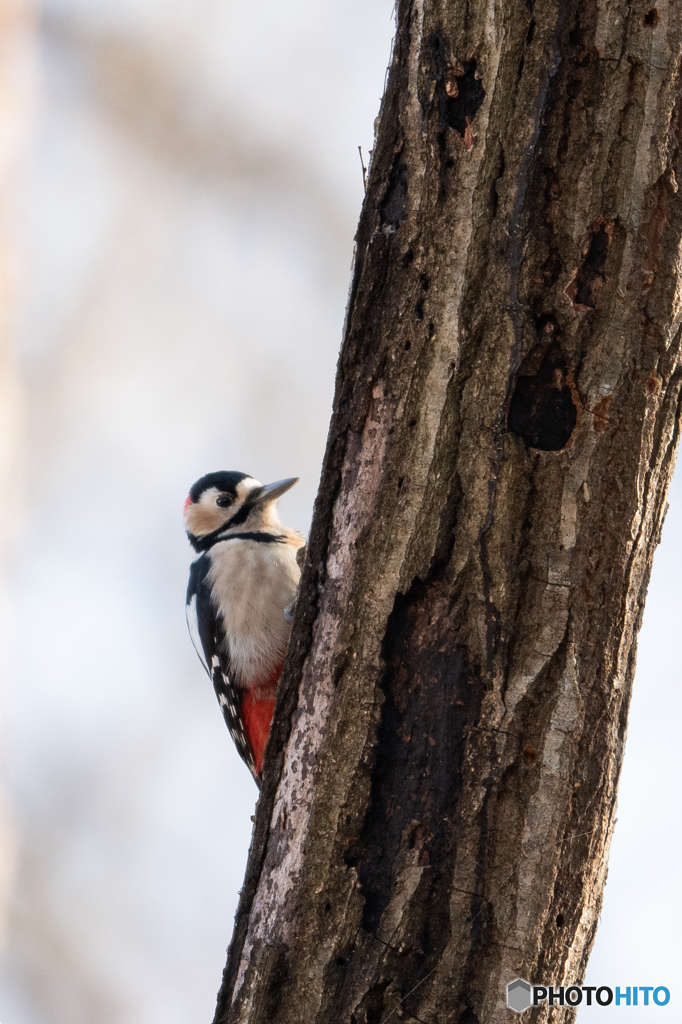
point(257, 708)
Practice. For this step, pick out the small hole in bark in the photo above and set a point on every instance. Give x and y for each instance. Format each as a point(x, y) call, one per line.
point(400, 485)
point(560, 920)
point(531, 32)
point(351, 857)
point(408, 346)
point(440, 53)
point(575, 36)
point(341, 961)
point(519, 70)
point(651, 19)
point(425, 281)
point(432, 330)
point(449, 163)
point(419, 310)
point(393, 203)
point(374, 1003)
point(408, 259)
point(413, 423)
point(542, 411)
point(327, 907)
point(464, 96)
point(545, 324)
point(551, 269)
point(530, 754)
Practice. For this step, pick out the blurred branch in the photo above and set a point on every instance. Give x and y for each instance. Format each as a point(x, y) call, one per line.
point(148, 94)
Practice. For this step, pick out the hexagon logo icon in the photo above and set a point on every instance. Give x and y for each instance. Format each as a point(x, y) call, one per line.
point(518, 995)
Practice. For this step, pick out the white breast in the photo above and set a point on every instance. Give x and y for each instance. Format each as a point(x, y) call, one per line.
point(252, 583)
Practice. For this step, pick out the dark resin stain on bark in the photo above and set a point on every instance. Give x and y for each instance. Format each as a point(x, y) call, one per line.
point(431, 701)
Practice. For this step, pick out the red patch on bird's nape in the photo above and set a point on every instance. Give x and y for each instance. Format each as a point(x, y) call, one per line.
point(257, 707)
point(188, 502)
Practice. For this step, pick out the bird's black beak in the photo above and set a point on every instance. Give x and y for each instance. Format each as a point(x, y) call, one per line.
point(270, 492)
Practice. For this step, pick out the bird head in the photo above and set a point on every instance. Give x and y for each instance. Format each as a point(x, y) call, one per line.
point(222, 501)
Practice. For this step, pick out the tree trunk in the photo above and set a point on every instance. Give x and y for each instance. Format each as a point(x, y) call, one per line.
point(440, 794)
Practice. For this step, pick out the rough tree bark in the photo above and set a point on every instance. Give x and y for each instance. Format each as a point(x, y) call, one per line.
point(439, 801)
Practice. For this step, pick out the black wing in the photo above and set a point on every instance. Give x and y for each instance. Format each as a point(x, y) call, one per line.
point(208, 636)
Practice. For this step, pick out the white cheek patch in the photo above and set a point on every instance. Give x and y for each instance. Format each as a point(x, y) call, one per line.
point(245, 486)
point(203, 516)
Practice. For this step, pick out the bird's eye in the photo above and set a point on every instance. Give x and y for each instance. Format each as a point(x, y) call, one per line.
point(224, 501)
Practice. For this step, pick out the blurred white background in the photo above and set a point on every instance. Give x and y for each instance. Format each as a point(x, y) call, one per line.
point(189, 194)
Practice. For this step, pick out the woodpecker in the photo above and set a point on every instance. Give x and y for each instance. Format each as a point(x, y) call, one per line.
point(242, 585)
